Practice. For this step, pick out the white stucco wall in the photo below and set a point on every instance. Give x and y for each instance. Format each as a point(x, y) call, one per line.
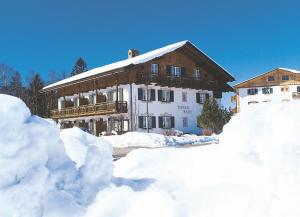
point(179, 109)
point(277, 95)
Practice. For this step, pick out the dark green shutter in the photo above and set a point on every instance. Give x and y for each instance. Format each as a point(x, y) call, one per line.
point(182, 71)
point(153, 122)
point(169, 70)
point(140, 93)
point(160, 122)
point(206, 96)
point(171, 96)
point(198, 97)
point(159, 95)
point(140, 121)
point(172, 122)
point(152, 95)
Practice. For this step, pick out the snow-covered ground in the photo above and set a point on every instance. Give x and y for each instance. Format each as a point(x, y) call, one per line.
point(253, 171)
point(153, 140)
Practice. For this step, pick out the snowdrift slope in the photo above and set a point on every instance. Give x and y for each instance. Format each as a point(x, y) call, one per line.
point(254, 171)
point(37, 178)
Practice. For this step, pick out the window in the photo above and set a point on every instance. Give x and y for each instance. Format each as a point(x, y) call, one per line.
point(154, 69)
point(185, 122)
point(252, 102)
point(201, 97)
point(197, 74)
point(166, 122)
point(285, 78)
point(284, 89)
point(166, 95)
point(184, 97)
point(253, 91)
point(267, 90)
point(176, 71)
point(145, 94)
point(91, 99)
point(298, 89)
point(112, 95)
point(76, 104)
point(271, 78)
point(142, 94)
point(143, 122)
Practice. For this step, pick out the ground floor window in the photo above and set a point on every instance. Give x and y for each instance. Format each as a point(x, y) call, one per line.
point(166, 122)
point(185, 122)
point(144, 124)
point(118, 124)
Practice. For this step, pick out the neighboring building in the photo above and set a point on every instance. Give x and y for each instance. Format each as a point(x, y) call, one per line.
point(178, 77)
point(280, 84)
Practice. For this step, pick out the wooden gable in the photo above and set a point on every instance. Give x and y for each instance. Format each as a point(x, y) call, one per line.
point(265, 80)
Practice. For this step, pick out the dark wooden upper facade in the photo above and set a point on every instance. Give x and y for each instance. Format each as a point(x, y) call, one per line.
point(213, 77)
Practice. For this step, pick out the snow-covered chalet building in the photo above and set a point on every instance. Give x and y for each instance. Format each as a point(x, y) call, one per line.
point(156, 91)
point(281, 85)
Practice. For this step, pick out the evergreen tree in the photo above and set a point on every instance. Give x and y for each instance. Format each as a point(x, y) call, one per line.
point(16, 87)
point(36, 100)
point(213, 117)
point(6, 73)
point(79, 67)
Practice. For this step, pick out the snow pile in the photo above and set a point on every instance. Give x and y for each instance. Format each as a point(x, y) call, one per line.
point(254, 171)
point(153, 140)
point(37, 177)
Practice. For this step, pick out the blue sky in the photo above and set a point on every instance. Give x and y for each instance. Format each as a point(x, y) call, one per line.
point(245, 37)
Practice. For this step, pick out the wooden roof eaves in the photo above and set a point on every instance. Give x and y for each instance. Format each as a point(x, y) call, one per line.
point(104, 74)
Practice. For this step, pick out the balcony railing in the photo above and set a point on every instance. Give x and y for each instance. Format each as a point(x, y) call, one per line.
point(235, 110)
point(296, 95)
point(177, 81)
point(89, 110)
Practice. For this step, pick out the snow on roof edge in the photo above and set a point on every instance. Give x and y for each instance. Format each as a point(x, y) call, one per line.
point(286, 69)
point(135, 60)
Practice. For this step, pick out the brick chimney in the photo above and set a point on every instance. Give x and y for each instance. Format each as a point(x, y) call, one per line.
point(133, 53)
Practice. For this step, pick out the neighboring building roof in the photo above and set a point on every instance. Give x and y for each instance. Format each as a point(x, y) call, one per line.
point(132, 61)
point(291, 70)
point(280, 68)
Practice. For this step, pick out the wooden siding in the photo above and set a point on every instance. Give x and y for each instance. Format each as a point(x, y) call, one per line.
point(262, 80)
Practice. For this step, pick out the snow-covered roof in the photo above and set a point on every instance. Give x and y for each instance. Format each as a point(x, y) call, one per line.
point(135, 60)
point(290, 70)
point(280, 68)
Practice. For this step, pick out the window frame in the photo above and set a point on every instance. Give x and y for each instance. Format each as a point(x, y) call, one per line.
point(176, 71)
point(154, 68)
point(271, 76)
point(165, 97)
point(197, 74)
point(267, 88)
point(252, 91)
point(166, 119)
point(285, 76)
point(185, 122)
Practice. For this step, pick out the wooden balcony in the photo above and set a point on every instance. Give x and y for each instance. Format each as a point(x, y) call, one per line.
point(234, 98)
point(235, 110)
point(173, 81)
point(296, 95)
point(90, 110)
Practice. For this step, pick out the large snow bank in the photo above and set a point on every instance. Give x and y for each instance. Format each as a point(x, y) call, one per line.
point(37, 178)
point(253, 171)
point(153, 140)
